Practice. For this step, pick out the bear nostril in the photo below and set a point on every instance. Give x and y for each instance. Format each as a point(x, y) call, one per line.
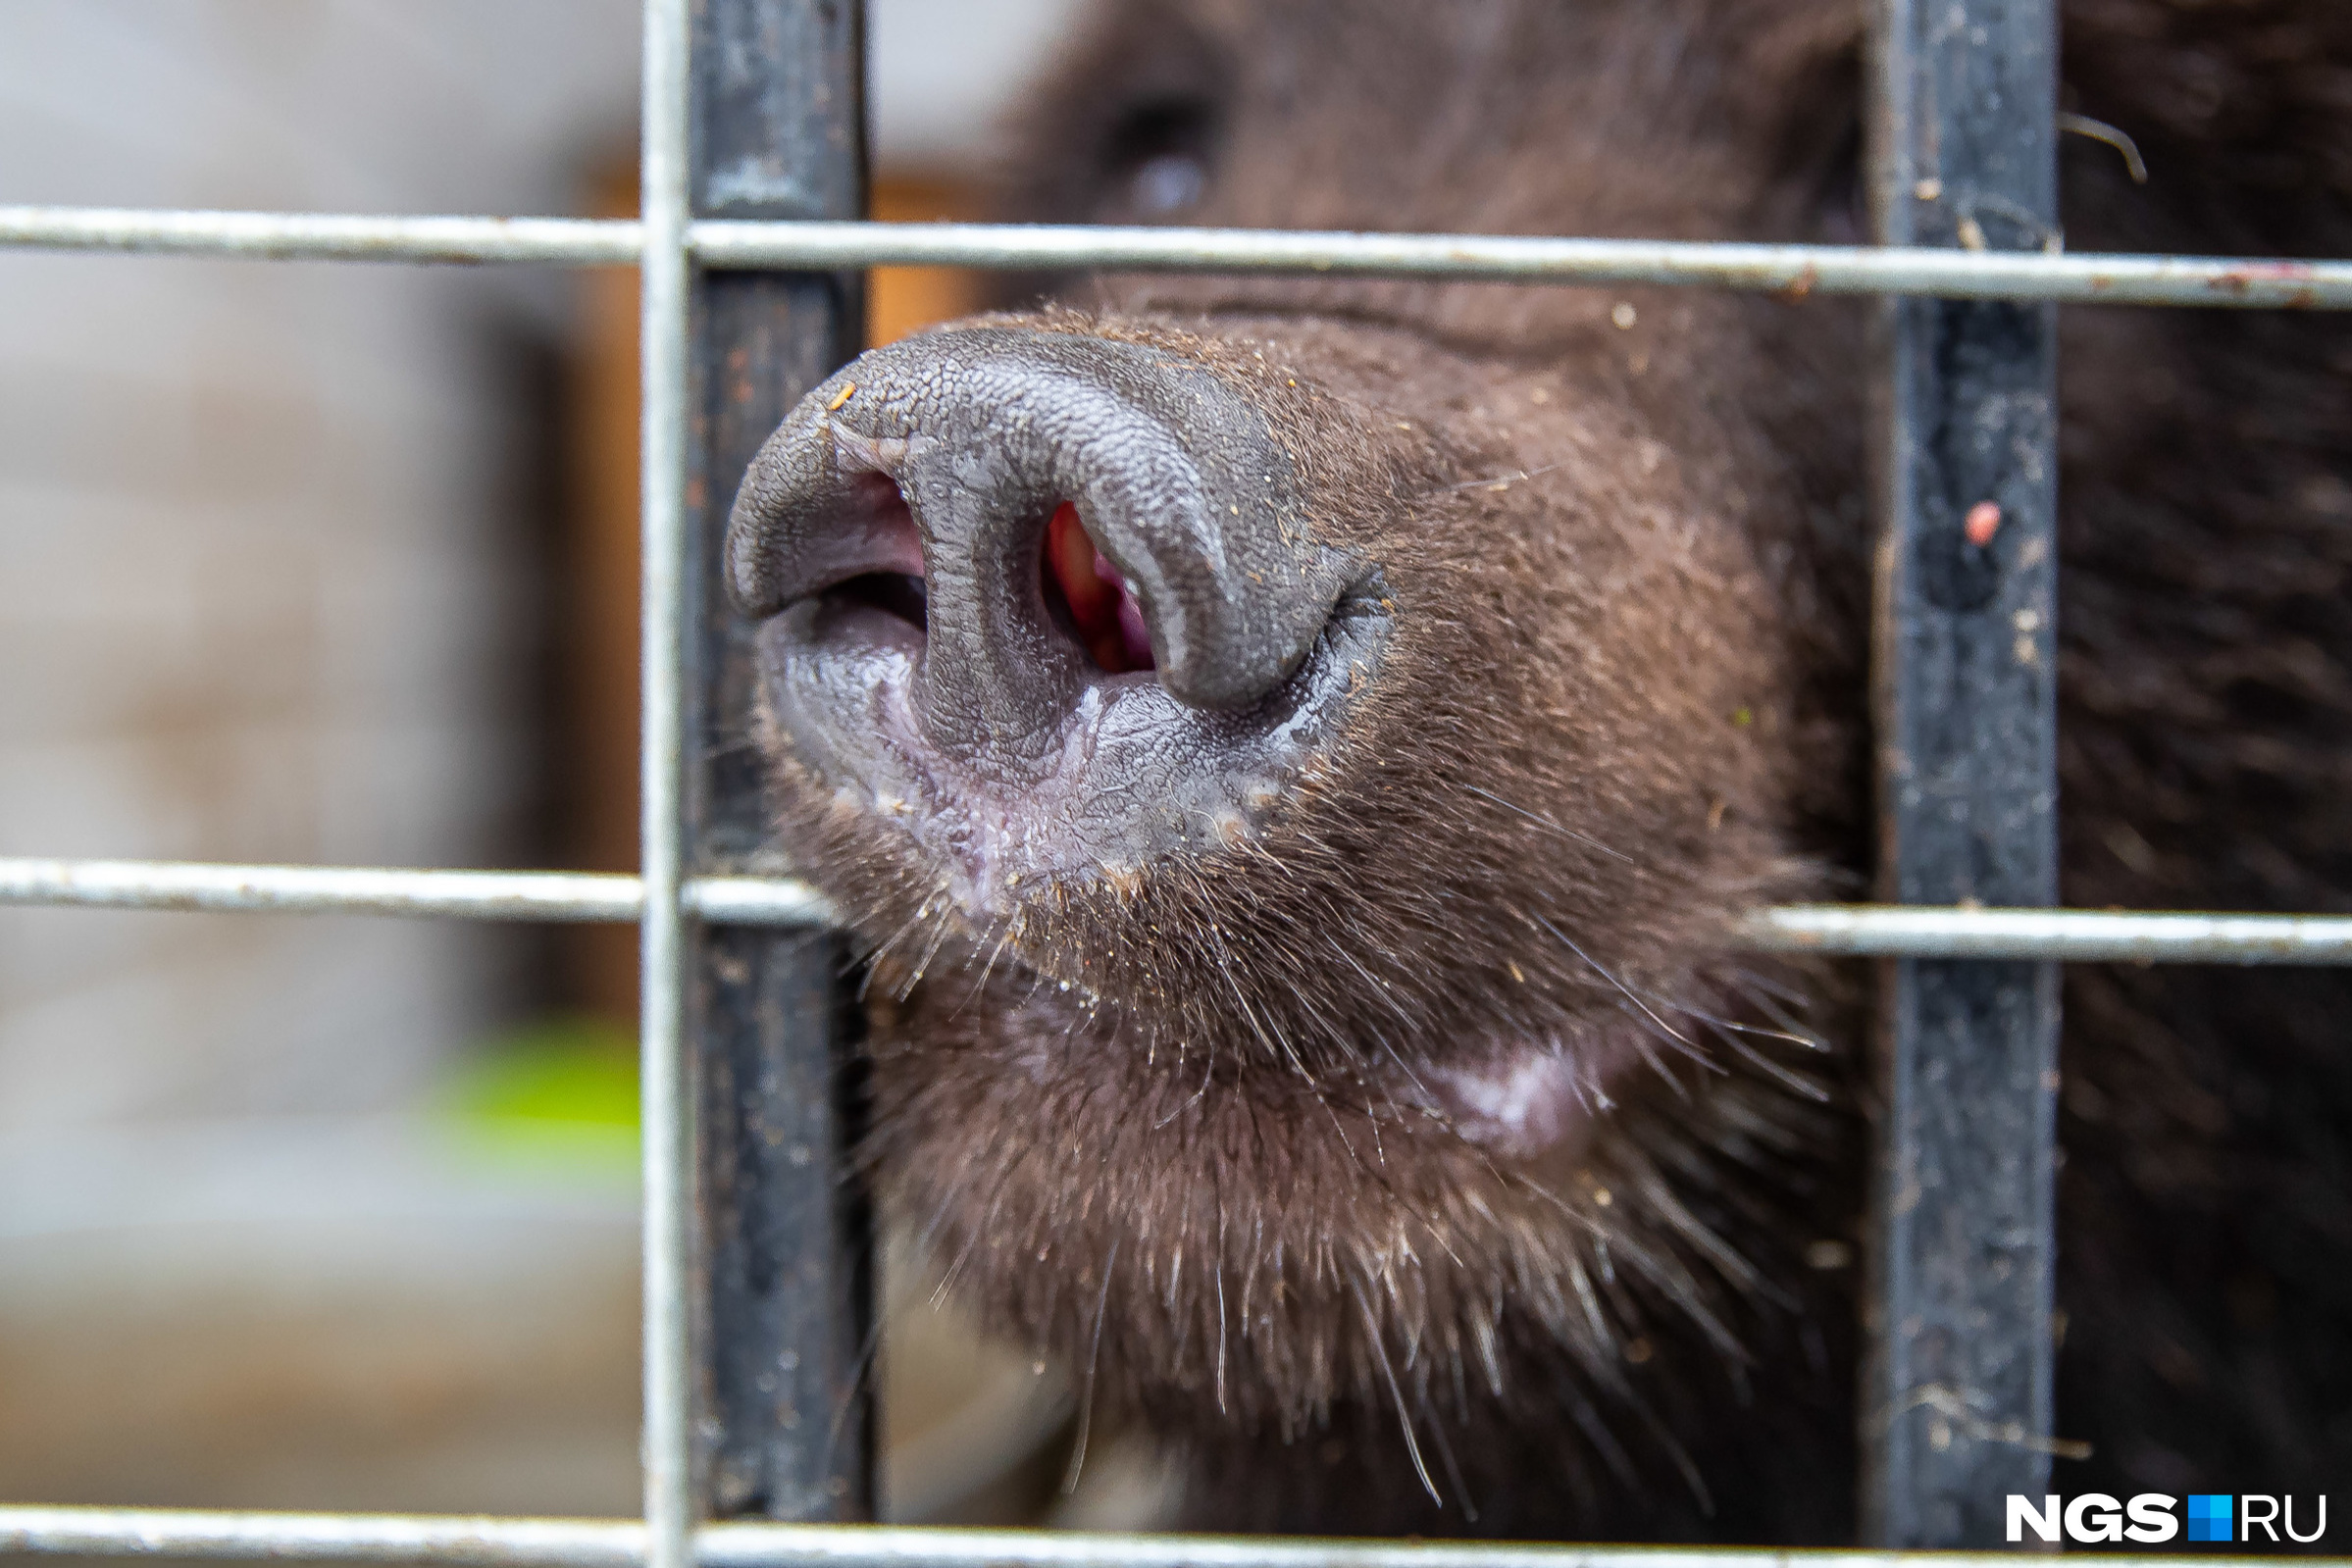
point(1098, 605)
point(896, 593)
point(868, 558)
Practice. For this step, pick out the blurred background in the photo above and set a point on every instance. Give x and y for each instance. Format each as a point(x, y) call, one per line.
point(332, 564)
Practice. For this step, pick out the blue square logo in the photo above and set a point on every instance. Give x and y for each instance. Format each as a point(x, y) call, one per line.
point(2210, 1515)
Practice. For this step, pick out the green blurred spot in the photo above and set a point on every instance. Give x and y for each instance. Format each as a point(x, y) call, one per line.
point(557, 1091)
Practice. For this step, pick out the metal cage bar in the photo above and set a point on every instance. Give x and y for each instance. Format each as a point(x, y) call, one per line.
point(552, 895)
point(1960, 1363)
point(1858, 931)
point(476, 1543)
point(1798, 270)
point(784, 1408)
point(667, 1093)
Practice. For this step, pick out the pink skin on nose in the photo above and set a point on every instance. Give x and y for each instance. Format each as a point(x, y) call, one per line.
point(1103, 604)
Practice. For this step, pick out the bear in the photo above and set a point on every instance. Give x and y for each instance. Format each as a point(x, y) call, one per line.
point(1296, 753)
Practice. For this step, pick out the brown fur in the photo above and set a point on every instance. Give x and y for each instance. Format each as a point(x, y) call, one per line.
point(1174, 1121)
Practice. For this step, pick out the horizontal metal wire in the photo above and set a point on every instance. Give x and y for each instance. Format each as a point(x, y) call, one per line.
point(2065, 936)
point(550, 895)
point(1799, 270)
point(1867, 931)
point(325, 236)
point(618, 1544)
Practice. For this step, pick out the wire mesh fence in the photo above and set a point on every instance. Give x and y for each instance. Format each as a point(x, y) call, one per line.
point(677, 894)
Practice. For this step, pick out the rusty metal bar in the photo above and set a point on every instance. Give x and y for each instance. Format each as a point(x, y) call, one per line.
point(1959, 1371)
point(2088, 279)
point(786, 1430)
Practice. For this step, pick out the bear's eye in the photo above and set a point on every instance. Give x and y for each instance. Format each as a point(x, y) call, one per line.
point(1158, 160)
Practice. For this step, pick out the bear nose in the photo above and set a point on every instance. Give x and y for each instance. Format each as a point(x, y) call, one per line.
point(1033, 512)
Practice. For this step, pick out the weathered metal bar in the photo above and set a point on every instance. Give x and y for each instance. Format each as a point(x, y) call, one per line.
point(1957, 1385)
point(665, 273)
point(779, 133)
point(617, 1544)
point(2086, 278)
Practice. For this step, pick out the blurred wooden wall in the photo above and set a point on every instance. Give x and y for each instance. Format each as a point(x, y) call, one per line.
point(596, 732)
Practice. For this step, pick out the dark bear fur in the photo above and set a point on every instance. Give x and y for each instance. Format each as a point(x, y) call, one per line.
point(1246, 1134)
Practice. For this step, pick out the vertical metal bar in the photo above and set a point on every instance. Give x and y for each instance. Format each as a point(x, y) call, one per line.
point(1957, 1390)
point(668, 1165)
point(779, 134)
